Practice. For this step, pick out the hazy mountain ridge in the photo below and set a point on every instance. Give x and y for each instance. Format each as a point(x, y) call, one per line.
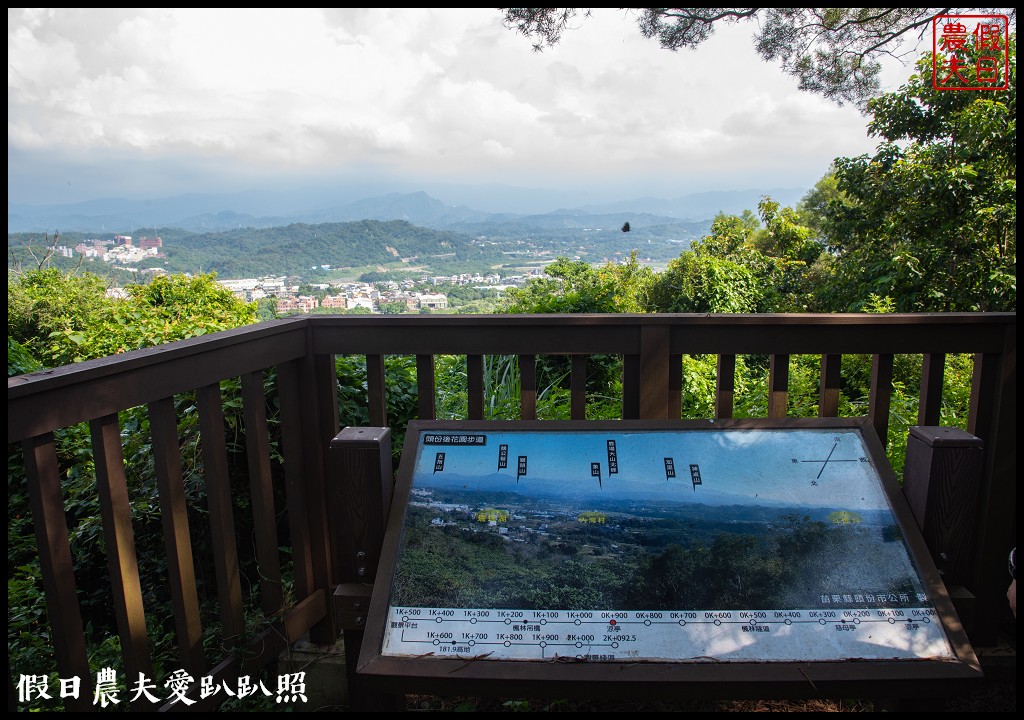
point(200, 236)
point(679, 499)
point(476, 492)
point(208, 213)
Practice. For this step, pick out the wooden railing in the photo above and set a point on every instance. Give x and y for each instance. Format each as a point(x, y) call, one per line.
point(301, 351)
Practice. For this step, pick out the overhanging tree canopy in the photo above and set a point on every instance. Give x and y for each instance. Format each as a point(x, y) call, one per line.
point(832, 51)
point(930, 220)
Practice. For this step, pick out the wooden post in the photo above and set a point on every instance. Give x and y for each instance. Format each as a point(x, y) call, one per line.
point(654, 372)
point(881, 396)
point(828, 392)
point(528, 387)
point(578, 388)
point(359, 498)
point(941, 481)
point(56, 567)
point(630, 387)
point(725, 386)
point(778, 386)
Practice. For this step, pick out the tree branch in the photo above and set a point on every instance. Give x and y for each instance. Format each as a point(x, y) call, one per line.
point(830, 50)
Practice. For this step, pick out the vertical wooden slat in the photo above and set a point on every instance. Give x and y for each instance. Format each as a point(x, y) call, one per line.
point(320, 424)
point(294, 472)
point(376, 393)
point(778, 386)
point(222, 522)
point(880, 396)
point(306, 425)
point(984, 391)
point(116, 511)
point(675, 386)
point(630, 387)
point(929, 409)
point(264, 518)
point(993, 418)
point(62, 609)
point(654, 372)
point(306, 432)
point(475, 387)
point(528, 387)
point(578, 388)
point(325, 372)
point(828, 393)
point(725, 386)
point(427, 401)
point(174, 513)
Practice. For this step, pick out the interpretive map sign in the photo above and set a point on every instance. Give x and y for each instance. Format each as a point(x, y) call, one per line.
point(694, 544)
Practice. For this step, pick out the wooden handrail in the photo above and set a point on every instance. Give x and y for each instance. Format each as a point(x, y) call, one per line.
point(301, 352)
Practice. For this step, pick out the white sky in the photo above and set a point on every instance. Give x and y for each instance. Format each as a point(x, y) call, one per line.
point(145, 103)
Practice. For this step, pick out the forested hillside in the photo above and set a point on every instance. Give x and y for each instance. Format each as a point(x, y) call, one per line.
point(297, 249)
point(302, 249)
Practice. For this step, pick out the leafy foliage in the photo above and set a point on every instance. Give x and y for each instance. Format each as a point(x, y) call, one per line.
point(930, 219)
point(62, 318)
point(19, 359)
point(47, 302)
point(698, 282)
point(574, 286)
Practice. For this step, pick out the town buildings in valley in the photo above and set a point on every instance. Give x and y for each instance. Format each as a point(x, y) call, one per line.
point(399, 296)
point(122, 249)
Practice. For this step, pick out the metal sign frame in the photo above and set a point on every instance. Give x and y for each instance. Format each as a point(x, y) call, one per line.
point(572, 676)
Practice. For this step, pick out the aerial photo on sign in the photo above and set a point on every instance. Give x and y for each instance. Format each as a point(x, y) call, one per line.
point(777, 544)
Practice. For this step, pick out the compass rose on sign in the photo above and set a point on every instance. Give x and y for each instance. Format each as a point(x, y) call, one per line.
point(830, 458)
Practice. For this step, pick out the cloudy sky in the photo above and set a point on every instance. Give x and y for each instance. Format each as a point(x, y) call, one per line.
point(145, 103)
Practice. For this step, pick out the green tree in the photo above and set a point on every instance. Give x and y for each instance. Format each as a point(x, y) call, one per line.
point(47, 302)
point(729, 234)
point(784, 235)
point(742, 266)
point(791, 255)
point(831, 51)
point(698, 282)
point(930, 219)
point(19, 359)
point(266, 309)
point(574, 286)
point(63, 318)
point(567, 286)
point(814, 205)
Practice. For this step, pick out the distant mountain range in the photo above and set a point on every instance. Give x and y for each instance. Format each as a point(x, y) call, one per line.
point(210, 213)
point(705, 505)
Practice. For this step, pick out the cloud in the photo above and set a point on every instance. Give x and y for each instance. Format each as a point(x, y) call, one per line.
point(447, 93)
